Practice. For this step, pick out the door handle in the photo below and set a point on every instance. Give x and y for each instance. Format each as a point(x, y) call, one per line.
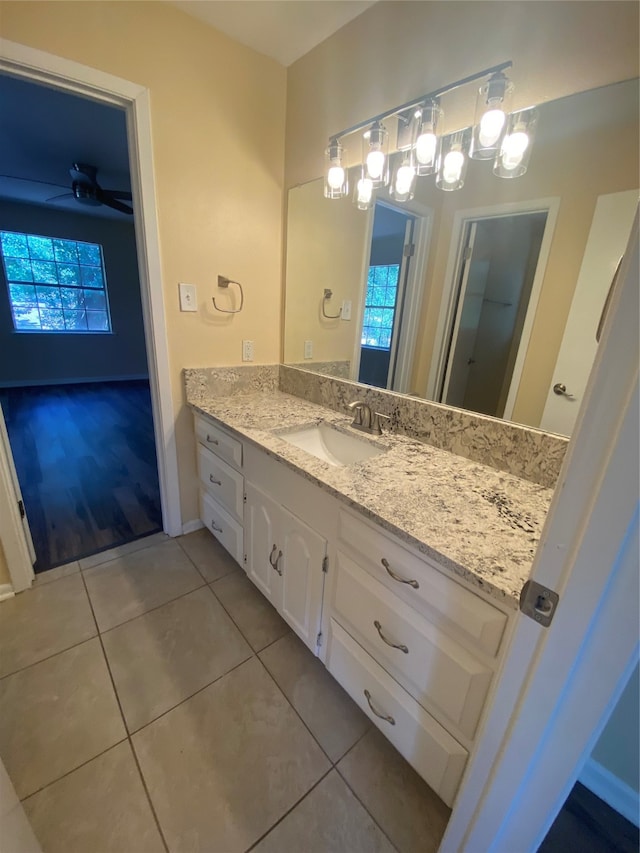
point(561, 391)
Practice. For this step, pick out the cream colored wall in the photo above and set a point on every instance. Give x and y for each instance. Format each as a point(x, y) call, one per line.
point(218, 113)
point(325, 248)
point(4, 569)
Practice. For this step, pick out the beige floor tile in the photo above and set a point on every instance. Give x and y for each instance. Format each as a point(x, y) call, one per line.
point(332, 716)
point(43, 578)
point(208, 555)
point(99, 808)
point(406, 808)
point(226, 764)
point(42, 621)
point(56, 715)
point(329, 820)
point(250, 610)
point(132, 585)
point(122, 550)
point(159, 659)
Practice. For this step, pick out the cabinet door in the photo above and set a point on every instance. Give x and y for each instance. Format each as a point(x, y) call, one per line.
point(261, 538)
point(303, 553)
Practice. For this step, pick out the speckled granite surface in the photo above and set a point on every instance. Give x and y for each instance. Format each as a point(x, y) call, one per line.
point(339, 369)
point(229, 381)
point(481, 524)
point(528, 453)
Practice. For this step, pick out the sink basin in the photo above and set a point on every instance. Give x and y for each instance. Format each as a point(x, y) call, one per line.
point(331, 445)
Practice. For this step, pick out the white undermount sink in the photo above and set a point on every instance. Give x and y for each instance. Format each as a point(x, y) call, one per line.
point(331, 445)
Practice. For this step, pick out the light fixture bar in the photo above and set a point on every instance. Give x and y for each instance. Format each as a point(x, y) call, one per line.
point(415, 102)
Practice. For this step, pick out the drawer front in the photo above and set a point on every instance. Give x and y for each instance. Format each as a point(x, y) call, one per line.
point(218, 441)
point(439, 597)
point(225, 528)
point(435, 669)
point(222, 481)
point(431, 750)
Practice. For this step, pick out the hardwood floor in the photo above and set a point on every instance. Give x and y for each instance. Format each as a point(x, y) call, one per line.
point(86, 462)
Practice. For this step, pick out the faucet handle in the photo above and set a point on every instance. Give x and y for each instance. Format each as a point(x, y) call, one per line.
point(376, 425)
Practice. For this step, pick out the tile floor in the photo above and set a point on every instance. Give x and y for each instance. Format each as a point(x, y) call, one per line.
point(151, 700)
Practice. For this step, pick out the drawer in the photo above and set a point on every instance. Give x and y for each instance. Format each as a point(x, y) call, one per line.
point(222, 481)
point(431, 750)
point(218, 441)
point(435, 669)
point(438, 596)
point(225, 528)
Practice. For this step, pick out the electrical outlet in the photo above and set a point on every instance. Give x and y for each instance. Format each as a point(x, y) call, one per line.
point(247, 350)
point(188, 297)
point(346, 309)
point(308, 349)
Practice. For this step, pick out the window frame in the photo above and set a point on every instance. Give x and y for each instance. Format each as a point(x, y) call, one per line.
point(386, 307)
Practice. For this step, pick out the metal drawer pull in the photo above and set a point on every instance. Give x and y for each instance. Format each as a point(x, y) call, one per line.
point(396, 577)
point(212, 440)
point(215, 482)
point(274, 563)
point(400, 646)
point(217, 529)
point(386, 717)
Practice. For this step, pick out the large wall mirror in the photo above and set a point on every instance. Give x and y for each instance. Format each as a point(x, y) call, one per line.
point(484, 298)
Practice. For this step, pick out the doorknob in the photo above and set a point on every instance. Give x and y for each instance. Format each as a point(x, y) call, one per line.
point(561, 391)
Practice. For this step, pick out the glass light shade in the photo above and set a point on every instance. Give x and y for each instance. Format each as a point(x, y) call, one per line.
point(403, 185)
point(375, 155)
point(363, 195)
point(454, 160)
point(492, 108)
point(512, 160)
point(428, 134)
point(336, 179)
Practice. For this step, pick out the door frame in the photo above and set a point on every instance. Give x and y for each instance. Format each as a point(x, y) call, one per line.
point(448, 302)
point(59, 73)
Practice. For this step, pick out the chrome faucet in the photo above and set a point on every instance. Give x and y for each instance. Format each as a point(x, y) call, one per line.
point(366, 420)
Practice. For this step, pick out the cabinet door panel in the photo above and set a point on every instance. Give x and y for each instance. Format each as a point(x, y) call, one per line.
point(302, 577)
point(261, 535)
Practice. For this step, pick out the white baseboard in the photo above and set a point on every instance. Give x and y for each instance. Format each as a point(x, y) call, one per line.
point(615, 793)
point(6, 591)
point(192, 526)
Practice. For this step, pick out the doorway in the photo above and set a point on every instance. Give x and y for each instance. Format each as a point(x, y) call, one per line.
point(498, 261)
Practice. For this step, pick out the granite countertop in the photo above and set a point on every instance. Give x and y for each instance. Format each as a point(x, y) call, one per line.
point(481, 524)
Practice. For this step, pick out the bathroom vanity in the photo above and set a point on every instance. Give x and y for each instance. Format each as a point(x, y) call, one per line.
point(400, 570)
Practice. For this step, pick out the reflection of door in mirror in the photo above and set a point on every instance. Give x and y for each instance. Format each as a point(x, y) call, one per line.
point(498, 261)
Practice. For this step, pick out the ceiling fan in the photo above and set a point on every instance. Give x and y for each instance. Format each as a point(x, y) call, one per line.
point(86, 189)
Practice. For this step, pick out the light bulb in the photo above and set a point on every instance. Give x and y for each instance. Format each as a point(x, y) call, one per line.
point(426, 145)
point(513, 149)
point(335, 177)
point(491, 125)
point(375, 164)
point(452, 167)
point(365, 191)
point(404, 179)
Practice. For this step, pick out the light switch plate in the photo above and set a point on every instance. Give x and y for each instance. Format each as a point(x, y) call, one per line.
point(308, 349)
point(346, 309)
point(188, 297)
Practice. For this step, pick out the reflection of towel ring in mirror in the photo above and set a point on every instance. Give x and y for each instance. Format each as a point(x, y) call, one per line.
point(327, 295)
point(225, 282)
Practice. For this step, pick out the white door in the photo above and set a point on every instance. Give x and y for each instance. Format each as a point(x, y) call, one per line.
point(559, 684)
point(607, 240)
point(261, 545)
point(14, 526)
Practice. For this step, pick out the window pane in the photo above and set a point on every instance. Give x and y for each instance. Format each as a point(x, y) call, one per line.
point(22, 294)
point(94, 300)
point(40, 248)
point(14, 245)
point(51, 319)
point(44, 272)
point(48, 297)
point(92, 276)
point(89, 253)
point(25, 317)
point(72, 297)
point(97, 321)
point(69, 274)
point(75, 320)
point(18, 270)
point(65, 251)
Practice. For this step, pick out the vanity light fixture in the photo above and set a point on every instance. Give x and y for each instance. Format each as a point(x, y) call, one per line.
point(375, 155)
point(336, 182)
point(454, 159)
point(428, 133)
point(404, 179)
point(512, 160)
point(492, 107)
point(363, 195)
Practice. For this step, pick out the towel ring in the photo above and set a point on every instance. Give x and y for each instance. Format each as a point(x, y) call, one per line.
point(327, 295)
point(225, 282)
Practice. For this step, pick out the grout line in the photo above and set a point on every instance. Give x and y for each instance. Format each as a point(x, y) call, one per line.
point(49, 657)
point(354, 744)
point(150, 610)
point(195, 565)
point(244, 636)
point(356, 795)
point(124, 723)
point(288, 812)
point(121, 556)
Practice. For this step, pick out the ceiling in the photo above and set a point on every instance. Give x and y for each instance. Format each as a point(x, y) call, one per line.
point(283, 29)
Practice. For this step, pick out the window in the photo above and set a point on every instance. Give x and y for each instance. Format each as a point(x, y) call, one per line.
point(380, 306)
point(55, 285)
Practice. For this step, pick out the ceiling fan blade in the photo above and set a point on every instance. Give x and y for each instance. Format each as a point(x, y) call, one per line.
point(125, 194)
point(64, 195)
point(115, 204)
point(33, 181)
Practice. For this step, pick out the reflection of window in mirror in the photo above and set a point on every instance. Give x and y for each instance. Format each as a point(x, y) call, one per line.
point(380, 306)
